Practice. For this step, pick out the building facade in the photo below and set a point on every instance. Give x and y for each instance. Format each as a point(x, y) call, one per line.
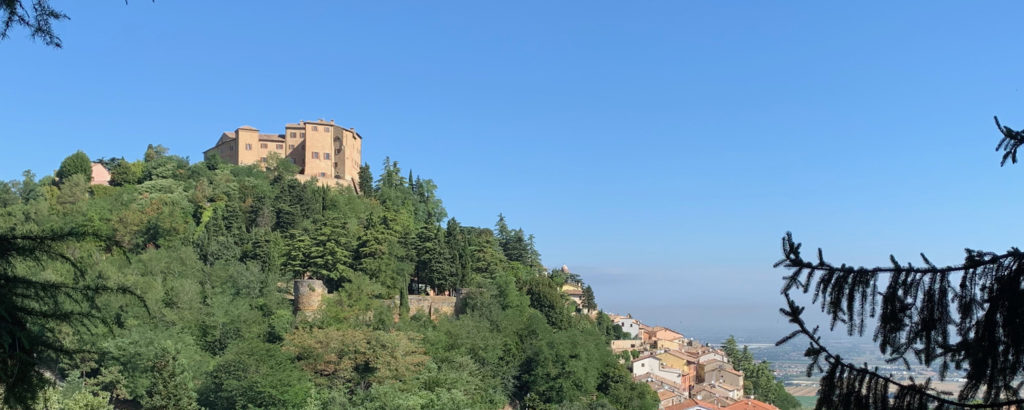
point(629, 325)
point(321, 149)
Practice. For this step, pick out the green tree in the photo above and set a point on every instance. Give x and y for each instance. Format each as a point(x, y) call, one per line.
point(435, 266)
point(357, 358)
point(325, 252)
point(172, 389)
point(126, 173)
point(515, 244)
point(589, 301)
point(549, 301)
point(75, 164)
point(365, 181)
point(254, 374)
point(759, 379)
point(73, 190)
point(34, 310)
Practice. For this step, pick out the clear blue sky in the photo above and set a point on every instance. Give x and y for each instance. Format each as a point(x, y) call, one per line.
point(660, 149)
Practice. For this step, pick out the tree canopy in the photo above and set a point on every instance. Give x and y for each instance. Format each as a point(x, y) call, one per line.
point(169, 289)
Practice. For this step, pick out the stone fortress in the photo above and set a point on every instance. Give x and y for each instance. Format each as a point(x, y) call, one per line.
point(330, 153)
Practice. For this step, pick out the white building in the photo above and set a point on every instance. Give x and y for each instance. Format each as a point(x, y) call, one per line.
point(629, 325)
point(653, 365)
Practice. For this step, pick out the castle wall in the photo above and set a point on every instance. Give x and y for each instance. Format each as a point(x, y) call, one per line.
point(432, 306)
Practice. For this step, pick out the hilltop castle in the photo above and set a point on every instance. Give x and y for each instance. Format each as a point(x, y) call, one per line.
point(322, 150)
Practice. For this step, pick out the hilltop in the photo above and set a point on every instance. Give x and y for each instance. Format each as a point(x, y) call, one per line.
point(171, 288)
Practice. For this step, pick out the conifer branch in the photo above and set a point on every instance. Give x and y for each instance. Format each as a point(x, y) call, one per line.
point(847, 386)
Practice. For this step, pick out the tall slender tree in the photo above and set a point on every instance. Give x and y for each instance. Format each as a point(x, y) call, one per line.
point(365, 180)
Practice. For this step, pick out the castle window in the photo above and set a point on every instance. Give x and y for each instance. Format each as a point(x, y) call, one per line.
point(314, 128)
point(327, 155)
point(248, 147)
point(291, 146)
point(263, 145)
point(316, 155)
point(323, 174)
point(292, 134)
point(280, 146)
point(263, 159)
point(302, 134)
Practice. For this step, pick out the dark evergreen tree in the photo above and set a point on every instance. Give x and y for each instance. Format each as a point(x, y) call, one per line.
point(172, 388)
point(365, 181)
point(38, 18)
point(922, 315)
point(34, 311)
point(516, 245)
point(589, 302)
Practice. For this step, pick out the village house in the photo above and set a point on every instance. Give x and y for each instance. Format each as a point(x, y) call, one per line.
point(574, 292)
point(668, 397)
point(712, 394)
point(706, 353)
point(664, 333)
point(668, 345)
point(684, 363)
point(100, 174)
point(629, 325)
point(719, 372)
point(668, 392)
point(652, 365)
point(626, 345)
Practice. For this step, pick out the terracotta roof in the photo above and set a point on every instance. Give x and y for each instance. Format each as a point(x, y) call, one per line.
point(682, 355)
point(651, 376)
point(691, 404)
point(750, 404)
point(712, 365)
point(272, 137)
point(225, 137)
point(664, 394)
point(645, 358)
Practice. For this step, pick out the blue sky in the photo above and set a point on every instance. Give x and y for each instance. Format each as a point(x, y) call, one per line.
point(660, 149)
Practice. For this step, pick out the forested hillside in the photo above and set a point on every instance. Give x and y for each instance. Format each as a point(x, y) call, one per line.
point(168, 290)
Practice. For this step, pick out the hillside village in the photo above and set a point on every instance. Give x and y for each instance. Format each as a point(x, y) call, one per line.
point(686, 374)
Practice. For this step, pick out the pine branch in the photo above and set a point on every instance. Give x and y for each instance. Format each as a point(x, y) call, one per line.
point(846, 386)
point(915, 312)
point(1010, 143)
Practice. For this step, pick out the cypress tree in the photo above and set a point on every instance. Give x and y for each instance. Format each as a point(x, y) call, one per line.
point(365, 180)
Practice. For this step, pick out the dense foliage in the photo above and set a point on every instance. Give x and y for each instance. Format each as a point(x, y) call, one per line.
point(169, 289)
